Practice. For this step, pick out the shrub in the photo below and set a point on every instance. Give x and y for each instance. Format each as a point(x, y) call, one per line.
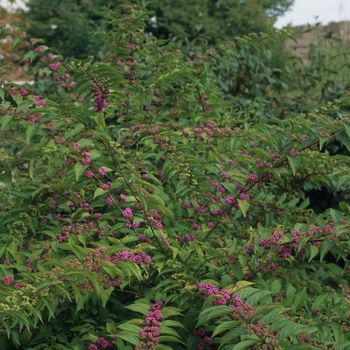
point(143, 212)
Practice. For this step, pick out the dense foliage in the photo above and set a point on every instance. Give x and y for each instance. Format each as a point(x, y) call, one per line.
point(66, 25)
point(214, 21)
point(145, 209)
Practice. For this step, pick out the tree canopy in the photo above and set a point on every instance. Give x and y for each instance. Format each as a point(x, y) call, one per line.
point(214, 20)
point(66, 24)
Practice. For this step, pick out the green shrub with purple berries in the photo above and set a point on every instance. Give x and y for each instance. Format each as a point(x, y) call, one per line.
point(144, 211)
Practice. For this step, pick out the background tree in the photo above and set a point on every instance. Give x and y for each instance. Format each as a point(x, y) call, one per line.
point(10, 52)
point(65, 25)
point(214, 20)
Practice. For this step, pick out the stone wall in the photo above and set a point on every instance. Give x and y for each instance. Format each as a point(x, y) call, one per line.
point(330, 31)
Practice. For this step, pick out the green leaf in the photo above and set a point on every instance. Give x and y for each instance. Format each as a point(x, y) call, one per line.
point(3, 340)
point(288, 330)
point(17, 41)
point(64, 292)
point(246, 292)
point(166, 338)
point(278, 324)
point(25, 337)
point(62, 337)
point(15, 338)
point(6, 178)
point(31, 169)
point(50, 307)
point(163, 347)
point(335, 214)
point(99, 192)
point(130, 269)
point(301, 347)
point(112, 270)
point(344, 139)
point(31, 55)
point(347, 129)
point(337, 332)
point(294, 163)
point(130, 328)
point(2, 93)
point(105, 294)
point(139, 307)
point(274, 314)
point(225, 326)
point(155, 202)
point(319, 301)
point(79, 170)
point(70, 133)
point(300, 299)
point(82, 238)
point(5, 120)
point(243, 205)
point(213, 312)
point(18, 98)
point(245, 344)
point(326, 246)
point(23, 105)
point(170, 311)
point(30, 131)
point(86, 143)
point(129, 338)
point(313, 252)
point(100, 120)
point(344, 344)
point(276, 286)
point(233, 334)
point(172, 323)
point(95, 154)
point(256, 297)
point(164, 330)
point(90, 276)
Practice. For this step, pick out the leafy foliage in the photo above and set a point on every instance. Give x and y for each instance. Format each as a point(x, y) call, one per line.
point(214, 21)
point(143, 211)
point(66, 25)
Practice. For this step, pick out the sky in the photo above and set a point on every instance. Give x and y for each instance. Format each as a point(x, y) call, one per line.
point(7, 4)
point(302, 12)
point(305, 11)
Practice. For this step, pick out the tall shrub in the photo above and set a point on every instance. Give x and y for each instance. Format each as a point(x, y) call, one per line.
point(143, 212)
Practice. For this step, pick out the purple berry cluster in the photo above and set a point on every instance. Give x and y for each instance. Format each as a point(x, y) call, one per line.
point(240, 308)
point(149, 334)
point(204, 339)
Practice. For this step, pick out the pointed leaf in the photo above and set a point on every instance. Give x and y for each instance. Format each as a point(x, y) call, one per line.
point(225, 326)
point(243, 205)
point(213, 312)
point(344, 139)
point(300, 299)
point(23, 105)
point(129, 338)
point(294, 163)
point(292, 328)
point(30, 131)
point(245, 344)
point(313, 252)
point(237, 286)
point(99, 192)
point(79, 170)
